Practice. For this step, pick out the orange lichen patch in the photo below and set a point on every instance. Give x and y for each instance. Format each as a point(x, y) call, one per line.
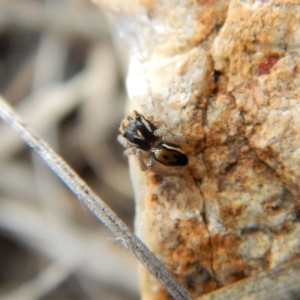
point(180, 240)
point(150, 288)
point(185, 248)
point(190, 258)
point(271, 205)
point(189, 233)
point(156, 179)
point(211, 15)
point(259, 167)
point(230, 213)
point(267, 63)
point(227, 265)
point(206, 2)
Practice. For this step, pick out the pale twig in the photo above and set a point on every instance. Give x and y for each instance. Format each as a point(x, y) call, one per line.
point(94, 203)
point(63, 20)
point(39, 286)
point(52, 103)
point(84, 252)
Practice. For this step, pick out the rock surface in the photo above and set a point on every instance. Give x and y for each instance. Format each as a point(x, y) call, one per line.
point(227, 73)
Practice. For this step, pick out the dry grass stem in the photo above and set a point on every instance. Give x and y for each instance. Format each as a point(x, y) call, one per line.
point(94, 203)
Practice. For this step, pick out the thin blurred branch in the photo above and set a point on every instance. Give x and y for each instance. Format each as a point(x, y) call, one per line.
point(33, 15)
point(71, 247)
point(39, 286)
point(51, 103)
point(58, 66)
point(94, 203)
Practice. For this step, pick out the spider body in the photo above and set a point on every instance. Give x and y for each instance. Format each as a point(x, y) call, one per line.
point(142, 138)
point(138, 131)
point(169, 154)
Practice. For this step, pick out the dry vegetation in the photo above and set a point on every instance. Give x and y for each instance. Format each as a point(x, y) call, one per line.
point(60, 69)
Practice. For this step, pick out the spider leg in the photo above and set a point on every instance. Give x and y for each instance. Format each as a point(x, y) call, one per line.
point(123, 141)
point(149, 163)
point(140, 155)
point(130, 151)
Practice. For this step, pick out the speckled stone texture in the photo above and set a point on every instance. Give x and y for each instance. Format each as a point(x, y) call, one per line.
point(228, 74)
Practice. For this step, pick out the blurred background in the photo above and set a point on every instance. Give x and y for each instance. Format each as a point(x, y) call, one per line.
point(63, 70)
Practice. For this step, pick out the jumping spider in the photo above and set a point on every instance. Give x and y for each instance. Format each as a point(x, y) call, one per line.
point(141, 136)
